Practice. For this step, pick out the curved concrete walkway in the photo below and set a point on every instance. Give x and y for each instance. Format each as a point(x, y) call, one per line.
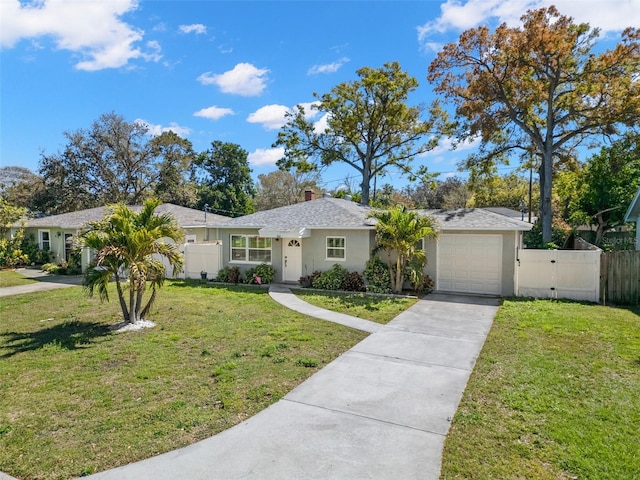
point(44, 281)
point(381, 410)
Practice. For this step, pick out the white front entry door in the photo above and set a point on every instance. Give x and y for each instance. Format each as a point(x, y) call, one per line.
point(291, 260)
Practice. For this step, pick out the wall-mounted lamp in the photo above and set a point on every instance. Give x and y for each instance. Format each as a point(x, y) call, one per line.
point(59, 234)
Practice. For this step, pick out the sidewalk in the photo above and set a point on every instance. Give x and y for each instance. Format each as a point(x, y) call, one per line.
point(381, 410)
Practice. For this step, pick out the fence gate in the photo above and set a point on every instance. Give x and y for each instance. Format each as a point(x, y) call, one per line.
point(571, 274)
point(202, 257)
point(620, 278)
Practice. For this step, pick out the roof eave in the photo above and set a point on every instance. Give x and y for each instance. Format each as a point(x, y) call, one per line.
point(633, 211)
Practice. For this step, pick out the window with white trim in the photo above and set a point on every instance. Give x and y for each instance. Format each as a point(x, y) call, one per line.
point(44, 240)
point(250, 249)
point(336, 248)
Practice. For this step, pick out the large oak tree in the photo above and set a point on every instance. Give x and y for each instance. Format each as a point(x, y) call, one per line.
point(540, 87)
point(369, 126)
point(115, 161)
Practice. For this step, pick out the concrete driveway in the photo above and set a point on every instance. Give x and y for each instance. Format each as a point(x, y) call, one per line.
point(381, 410)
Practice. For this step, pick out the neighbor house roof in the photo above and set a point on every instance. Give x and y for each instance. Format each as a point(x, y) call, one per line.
point(186, 217)
point(634, 209)
point(475, 219)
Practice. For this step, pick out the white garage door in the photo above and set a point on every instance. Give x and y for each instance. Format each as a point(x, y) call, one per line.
point(470, 263)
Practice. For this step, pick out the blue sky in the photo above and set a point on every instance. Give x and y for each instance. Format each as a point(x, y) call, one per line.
point(226, 70)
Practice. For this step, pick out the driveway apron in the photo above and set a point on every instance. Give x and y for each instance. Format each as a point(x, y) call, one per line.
point(381, 410)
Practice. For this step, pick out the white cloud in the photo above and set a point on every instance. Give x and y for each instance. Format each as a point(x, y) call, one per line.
point(93, 30)
point(322, 124)
point(446, 145)
point(327, 68)
point(309, 113)
point(271, 117)
point(196, 28)
point(156, 130)
point(265, 157)
point(457, 15)
point(244, 79)
point(214, 113)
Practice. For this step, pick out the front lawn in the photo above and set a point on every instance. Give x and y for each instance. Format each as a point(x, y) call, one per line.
point(554, 394)
point(77, 398)
point(380, 309)
point(10, 278)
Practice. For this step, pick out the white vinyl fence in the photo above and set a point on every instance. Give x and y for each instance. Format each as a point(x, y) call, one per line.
point(571, 274)
point(202, 257)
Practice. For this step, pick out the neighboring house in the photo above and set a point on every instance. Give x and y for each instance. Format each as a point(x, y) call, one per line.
point(56, 233)
point(511, 213)
point(475, 252)
point(633, 215)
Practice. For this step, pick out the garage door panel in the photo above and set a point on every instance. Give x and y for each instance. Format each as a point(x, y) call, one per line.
point(470, 263)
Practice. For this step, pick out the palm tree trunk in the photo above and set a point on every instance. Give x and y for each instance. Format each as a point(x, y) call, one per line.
point(132, 301)
point(147, 307)
point(399, 274)
point(140, 284)
point(391, 277)
point(123, 304)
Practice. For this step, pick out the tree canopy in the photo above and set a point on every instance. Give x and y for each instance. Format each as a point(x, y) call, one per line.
point(224, 179)
point(539, 89)
point(280, 188)
point(600, 191)
point(115, 161)
point(369, 126)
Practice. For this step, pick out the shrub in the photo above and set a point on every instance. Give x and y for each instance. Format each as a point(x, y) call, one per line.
point(229, 275)
point(353, 282)
point(307, 280)
point(35, 254)
point(11, 255)
point(377, 275)
point(265, 273)
point(332, 279)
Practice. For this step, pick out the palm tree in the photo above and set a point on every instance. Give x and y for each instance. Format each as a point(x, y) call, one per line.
point(129, 246)
point(400, 230)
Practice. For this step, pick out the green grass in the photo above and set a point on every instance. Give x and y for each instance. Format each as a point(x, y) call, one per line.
point(378, 309)
point(10, 278)
point(554, 394)
point(77, 398)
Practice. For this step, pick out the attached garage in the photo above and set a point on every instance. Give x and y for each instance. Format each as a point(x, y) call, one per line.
point(469, 263)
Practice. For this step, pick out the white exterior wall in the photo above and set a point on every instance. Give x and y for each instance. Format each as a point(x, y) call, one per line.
point(570, 274)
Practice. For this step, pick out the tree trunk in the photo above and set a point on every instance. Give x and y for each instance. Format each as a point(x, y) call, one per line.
point(399, 273)
point(123, 304)
point(546, 177)
point(140, 284)
point(391, 277)
point(132, 301)
point(365, 185)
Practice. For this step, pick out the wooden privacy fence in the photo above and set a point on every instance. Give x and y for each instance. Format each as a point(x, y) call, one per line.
point(620, 278)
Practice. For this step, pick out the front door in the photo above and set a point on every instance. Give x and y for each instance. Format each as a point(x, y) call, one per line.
point(291, 259)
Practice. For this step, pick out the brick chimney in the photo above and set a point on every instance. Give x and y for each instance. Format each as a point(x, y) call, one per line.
point(309, 195)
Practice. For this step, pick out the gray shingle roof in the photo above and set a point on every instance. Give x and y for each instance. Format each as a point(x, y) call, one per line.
point(336, 213)
point(186, 217)
point(475, 219)
point(314, 214)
